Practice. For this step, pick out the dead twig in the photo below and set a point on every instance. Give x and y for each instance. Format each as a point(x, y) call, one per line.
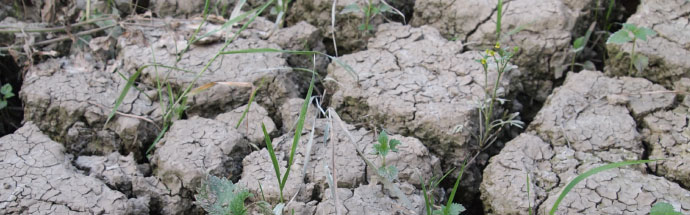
point(13, 29)
point(63, 38)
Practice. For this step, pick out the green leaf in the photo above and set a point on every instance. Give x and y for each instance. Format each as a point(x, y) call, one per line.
point(351, 8)
point(6, 89)
point(640, 62)
point(362, 27)
point(663, 208)
point(271, 153)
point(220, 196)
point(591, 172)
point(3, 104)
point(630, 27)
point(393, 145)
point(384, 8)
point(642, 33)
point(383, 138)
point(578, 44)
point(620, 37)
point(298, 130)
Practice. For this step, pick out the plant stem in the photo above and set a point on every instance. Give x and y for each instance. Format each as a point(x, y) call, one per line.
point(632, 56)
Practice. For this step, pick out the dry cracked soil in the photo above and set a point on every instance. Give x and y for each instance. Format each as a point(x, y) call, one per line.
point(72, 142)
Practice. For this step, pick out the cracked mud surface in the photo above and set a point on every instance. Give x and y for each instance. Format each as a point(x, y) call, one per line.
point(584, 124)
point(414, 82)
point(37, 177)
point(166, 41)
point(544, 38)
point(667, 51)
point(70, 98)
point(197, 147)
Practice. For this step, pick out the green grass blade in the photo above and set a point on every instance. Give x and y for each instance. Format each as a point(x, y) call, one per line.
point(298, 129)
point(591, 172)
point(119, 100)
point(251, 99)
point(274, 160)
point(455, 188)
point(427, 204)
point(158, 138)
point(227, 24)
point(198, 28)
point(499, 16)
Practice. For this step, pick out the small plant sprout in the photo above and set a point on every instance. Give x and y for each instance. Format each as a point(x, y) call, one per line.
point(383, 147)
point(6, 92)
point(219, 196)
point(631, 33)
point(579, 45)
point(370, 11)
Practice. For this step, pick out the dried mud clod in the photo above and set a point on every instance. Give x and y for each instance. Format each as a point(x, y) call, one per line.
point(268, 70)
point(37, 177)
point(544, 38)
point(197, 147)
point(70, 99)
point(587, 122)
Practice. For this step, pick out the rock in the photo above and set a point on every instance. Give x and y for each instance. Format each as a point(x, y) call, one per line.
point(544, 40)
point(666, 50)
point(413, 82)
point(37, 178)
point(259, 174)
point(578, 129)
point(70, 99)
point(413, 161)
point(369, 199)
point(268, 70)
point(348, 36)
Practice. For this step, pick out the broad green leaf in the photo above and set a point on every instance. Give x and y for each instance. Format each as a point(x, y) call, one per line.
point(663, 208)
point(620, 37)
point(393, 145)
point(362, 27)
point(642, 33)
point(640, 62)
point(6, 89)
point(591, 172)
point(351, 8)
point(630, 27)
point(3, 104)
point(383, 138)
point(578, 44)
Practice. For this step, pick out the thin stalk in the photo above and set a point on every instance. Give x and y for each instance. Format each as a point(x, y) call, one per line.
point(632, 56)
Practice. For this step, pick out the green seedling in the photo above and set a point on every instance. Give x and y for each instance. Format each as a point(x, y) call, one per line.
point(663, 208)
point(591, 172)
point(6, 92)
point(282, 178)
point(452, 208)
point(370, 11)
point(382, 148)
point(579, 45)
point(279, 10)
point(219, 196)
point(631, 33)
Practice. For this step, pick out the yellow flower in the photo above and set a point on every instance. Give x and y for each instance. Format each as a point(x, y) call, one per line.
point(483, 61)
point(490, 52)
point(498, 46)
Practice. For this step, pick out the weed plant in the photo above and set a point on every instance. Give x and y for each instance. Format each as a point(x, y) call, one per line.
point(370, 11)
point(631, 33)
point(5, 94)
